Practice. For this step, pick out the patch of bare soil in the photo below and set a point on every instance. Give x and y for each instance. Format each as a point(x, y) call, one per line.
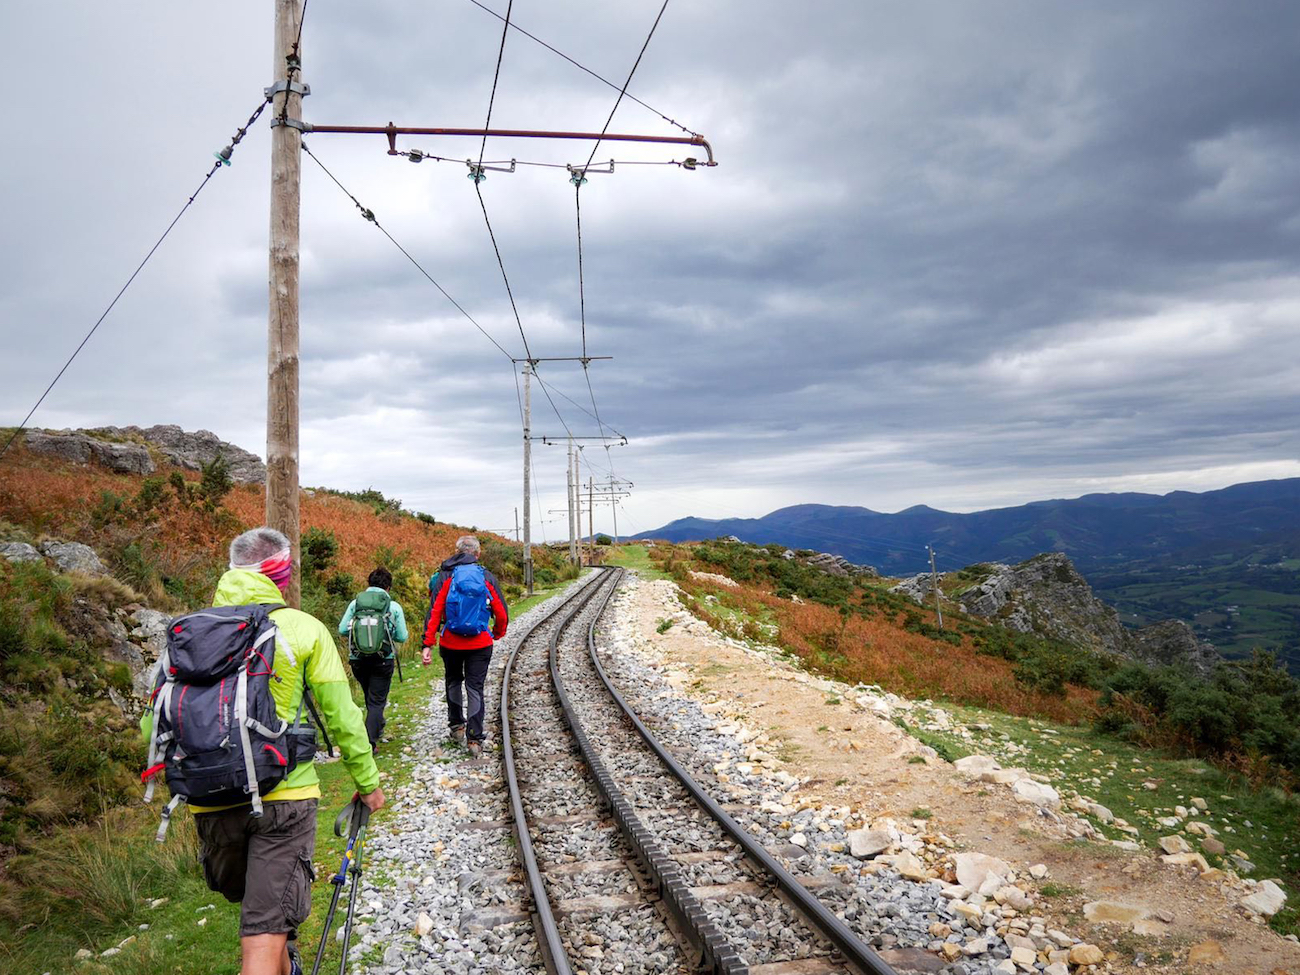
point(850, 756)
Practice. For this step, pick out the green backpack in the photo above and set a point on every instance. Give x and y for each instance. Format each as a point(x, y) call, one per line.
point(369, 633)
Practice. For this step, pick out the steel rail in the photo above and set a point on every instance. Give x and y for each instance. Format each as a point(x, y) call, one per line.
point(858, 954)
point(553, 953)
point(713, 952)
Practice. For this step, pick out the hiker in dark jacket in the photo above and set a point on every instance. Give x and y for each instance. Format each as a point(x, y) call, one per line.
point(374, 623)
point(462, 596)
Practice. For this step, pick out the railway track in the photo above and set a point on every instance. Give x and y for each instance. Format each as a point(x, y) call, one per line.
point(631, 864)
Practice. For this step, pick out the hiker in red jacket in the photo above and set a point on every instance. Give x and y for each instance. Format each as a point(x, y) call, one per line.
point(462, 597)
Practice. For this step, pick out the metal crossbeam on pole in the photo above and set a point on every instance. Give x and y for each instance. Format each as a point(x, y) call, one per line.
point(392, 131)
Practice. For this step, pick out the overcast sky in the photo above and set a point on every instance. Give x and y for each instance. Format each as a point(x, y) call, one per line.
point(960, 254)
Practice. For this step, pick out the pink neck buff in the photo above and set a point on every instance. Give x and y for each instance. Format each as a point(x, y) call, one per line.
point(278, 568)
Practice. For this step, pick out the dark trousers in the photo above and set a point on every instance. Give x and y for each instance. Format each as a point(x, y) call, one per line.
point(468, 667)
point(375, 675)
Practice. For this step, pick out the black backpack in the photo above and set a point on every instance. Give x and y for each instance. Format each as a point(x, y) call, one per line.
point(216, 734)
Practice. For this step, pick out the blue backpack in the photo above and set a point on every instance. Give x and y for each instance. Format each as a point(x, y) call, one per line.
point(467, 610)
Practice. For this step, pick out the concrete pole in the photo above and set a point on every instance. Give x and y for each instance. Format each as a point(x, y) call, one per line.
point(282, 324)
point(528, 467)
point(591, 521)
point(569, 490)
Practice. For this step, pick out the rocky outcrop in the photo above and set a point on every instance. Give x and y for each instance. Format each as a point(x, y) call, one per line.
point(1173, 642)
point(837, 565)
point(74, 557)
point(193, 450)
point(127, 450)
point(19, 552)
point(80, 447)
point(1046, 595)
point(918, 588)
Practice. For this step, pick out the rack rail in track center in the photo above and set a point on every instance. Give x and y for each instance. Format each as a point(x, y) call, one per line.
point(708, 948)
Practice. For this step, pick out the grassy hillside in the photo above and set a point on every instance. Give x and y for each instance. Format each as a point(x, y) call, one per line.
point(1092, 726)
point(77, 860)
point(854, 629)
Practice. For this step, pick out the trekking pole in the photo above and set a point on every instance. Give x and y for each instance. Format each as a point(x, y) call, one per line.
point(364, 814)
point(360, 815)
point(315, 716)
point(397, 655)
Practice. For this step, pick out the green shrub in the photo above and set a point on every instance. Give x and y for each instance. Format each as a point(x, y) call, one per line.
point(215, 482)
point(341, 584)
point(1243, 710)
point(110, 509)
point(319, 550)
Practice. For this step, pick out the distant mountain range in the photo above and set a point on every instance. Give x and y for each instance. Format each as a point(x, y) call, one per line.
point(1260, 519)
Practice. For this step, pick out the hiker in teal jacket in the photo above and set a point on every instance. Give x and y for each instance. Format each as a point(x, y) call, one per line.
point(374, 623)
point(264, 863)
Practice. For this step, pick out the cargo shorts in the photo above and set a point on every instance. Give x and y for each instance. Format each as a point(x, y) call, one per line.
point(262, 864)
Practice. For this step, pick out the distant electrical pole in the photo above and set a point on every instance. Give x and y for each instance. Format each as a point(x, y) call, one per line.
point(934, 582)
point(591, 521)
point(569, 491)
point(282, 320)
point(528, 466)
point(516, 523)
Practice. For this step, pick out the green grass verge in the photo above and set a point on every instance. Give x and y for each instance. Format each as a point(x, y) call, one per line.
point(112, 871)
point(1264, 823)
point(186, 934)
point(635, 557)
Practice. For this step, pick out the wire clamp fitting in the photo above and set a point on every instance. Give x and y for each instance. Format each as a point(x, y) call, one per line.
point(476, 171)
point(293, 123)
point(578, 174)
point(298, 88)
point(415, 155)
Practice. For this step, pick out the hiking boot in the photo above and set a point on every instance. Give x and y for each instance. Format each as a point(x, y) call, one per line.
point(458, 734)
point(475, 749)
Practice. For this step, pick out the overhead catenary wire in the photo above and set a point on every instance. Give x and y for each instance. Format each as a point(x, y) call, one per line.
point(478, 179)
point(583, 67)
point(223, 159)
point(369, 215)
point(579, 178)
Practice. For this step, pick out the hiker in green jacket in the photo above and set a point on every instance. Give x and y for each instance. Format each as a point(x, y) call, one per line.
point(264, 863)
point(374, 623)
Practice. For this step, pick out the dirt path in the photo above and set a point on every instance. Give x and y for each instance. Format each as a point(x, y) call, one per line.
point(847, 755)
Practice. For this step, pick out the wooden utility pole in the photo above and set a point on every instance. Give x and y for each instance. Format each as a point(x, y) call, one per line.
point(282, 323)
point(528, 467)
point(934, 583)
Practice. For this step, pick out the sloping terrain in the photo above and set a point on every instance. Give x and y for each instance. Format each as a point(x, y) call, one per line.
point(1225, 561)
point(1076, 821)
point(1260, 518)
point(103, 537)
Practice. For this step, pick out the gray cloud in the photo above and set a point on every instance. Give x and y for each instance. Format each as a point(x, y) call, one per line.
point(962, 255)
